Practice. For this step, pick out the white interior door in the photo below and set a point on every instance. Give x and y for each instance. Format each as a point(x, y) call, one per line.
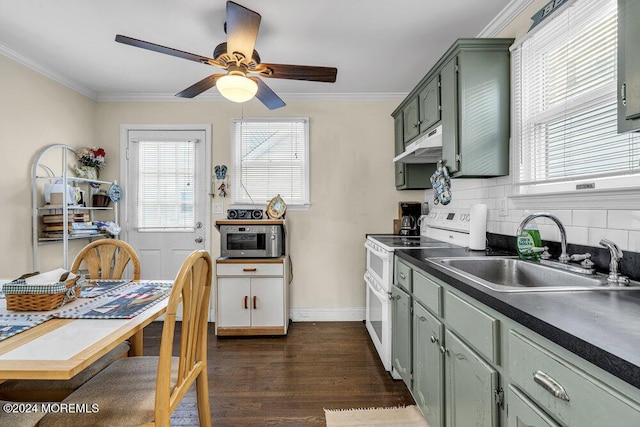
point(166, 195)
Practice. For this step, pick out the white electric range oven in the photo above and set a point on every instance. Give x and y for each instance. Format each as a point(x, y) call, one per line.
point(442, 228)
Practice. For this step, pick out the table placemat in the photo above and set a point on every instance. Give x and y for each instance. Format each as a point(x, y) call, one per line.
point(125, 303)
point(12, 324)
point(94, 288)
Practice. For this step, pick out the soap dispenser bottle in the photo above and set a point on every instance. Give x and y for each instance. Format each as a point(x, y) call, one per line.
point(528, 240)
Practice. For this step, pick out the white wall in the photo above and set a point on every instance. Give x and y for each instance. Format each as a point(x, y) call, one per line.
point(352, 188)
point(34, 112)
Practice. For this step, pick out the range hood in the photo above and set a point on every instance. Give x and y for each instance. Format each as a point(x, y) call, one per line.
point(426, 149)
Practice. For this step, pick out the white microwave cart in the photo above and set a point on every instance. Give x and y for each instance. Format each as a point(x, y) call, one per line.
point(252, 294)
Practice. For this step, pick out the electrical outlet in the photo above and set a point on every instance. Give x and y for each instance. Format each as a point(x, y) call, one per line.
point(502, 207)
point(218, 208)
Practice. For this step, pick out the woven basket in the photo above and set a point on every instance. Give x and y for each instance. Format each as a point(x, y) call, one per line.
point(23, 297)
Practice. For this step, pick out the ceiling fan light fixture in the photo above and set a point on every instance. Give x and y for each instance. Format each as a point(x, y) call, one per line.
point(237, 88)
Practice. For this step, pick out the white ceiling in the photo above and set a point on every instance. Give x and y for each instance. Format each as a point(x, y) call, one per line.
point(379, 46)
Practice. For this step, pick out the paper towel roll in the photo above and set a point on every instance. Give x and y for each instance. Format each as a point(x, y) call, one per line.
point(478, 227)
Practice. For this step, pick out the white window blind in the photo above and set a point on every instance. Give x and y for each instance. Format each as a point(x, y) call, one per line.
point(166, 185)
point(565, 100)
point(270, 157)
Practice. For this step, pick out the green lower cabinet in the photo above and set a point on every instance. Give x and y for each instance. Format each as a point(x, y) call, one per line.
point(401, 333)
point(470, 384)
point(570, 395)
point(428, 365)
point(524, 413)
point(461, 351)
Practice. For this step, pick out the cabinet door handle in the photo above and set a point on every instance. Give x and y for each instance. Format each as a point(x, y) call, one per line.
point(433, 339)
point(250, 270)
point(402, 276)
point(443, 350)
point(254, 303)
point(551, 385)
point(246, 302)
point(422, 318)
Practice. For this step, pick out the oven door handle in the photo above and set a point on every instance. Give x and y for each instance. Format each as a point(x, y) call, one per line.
point(381, 254)
point(375, 291)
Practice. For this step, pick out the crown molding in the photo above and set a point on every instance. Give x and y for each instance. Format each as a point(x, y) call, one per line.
point(505, 17)
point(38, 68)
point(215, 97)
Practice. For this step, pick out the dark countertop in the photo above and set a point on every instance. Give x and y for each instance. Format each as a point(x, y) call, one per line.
point(600, 326)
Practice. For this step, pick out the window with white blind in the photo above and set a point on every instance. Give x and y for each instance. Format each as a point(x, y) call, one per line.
point(564, 81)
point(270, 157)
point(166, 185)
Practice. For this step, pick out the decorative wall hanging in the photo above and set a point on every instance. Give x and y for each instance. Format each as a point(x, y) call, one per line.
point(441, 184)
point(221, 181)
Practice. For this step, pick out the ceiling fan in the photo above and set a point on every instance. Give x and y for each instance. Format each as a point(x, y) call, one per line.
point(239, 58)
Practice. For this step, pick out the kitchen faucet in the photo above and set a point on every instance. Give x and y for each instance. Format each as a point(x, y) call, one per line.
point(563, 258)
point(616, 256)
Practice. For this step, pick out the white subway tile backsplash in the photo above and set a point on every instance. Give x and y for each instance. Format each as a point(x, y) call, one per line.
point(634, 241)
point(577, 235)
point(549, 232)
point(565, 217)
point(583, 227)
point(623, 219)
point(497, 191)
point(619, 237)
point(482, 193)
point(595, 218)
point(504, 180)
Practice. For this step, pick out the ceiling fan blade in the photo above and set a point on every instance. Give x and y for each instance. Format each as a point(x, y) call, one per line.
point(203, 85)
point(267, 96)
point(166, 50)
point(299, 72)
point(242, 29)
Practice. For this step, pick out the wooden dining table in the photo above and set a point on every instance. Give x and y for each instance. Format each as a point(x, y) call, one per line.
point(59, 348)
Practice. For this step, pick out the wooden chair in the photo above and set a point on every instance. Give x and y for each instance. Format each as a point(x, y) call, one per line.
point(145, 390)
point(107, 259)
point(104, 259)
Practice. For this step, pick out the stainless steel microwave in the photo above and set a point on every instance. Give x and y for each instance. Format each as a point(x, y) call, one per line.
point(251, 241)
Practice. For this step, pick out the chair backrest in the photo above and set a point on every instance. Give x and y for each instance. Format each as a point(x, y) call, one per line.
point(107, 259)
point(192, 288)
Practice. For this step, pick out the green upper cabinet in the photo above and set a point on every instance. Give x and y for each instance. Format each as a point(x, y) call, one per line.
point(475, 80)
point(411, 120)
point(467, 92)
point(409, 176)
point(399, 147)
point(429, 104)
point(628, 65)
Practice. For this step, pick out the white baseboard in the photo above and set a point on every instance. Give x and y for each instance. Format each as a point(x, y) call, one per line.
point(327, 314)
point(356, 314)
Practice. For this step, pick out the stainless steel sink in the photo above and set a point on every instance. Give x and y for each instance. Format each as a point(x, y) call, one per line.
point(507, 274)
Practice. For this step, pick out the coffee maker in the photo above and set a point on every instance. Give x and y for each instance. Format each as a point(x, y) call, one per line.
point(410, 213)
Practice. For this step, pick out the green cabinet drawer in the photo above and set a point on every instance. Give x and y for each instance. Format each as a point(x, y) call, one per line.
point(570, 395)
point(474, 325)
point(403, 275)
point(523, 412)
point(428, 292)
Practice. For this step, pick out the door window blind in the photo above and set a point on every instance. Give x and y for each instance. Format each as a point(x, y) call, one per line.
point(166, 185)
point(565, 99)
point(270, 157)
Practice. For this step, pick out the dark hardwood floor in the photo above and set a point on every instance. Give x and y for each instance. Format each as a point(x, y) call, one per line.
point(259, 381)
